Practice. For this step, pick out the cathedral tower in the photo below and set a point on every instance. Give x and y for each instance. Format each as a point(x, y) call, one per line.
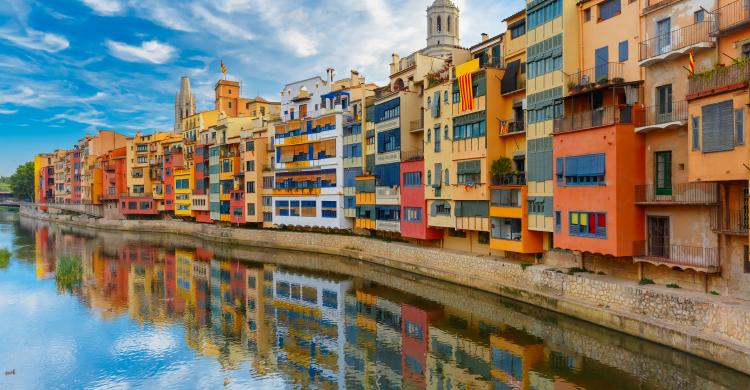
point(442, 28)
point(184, 103)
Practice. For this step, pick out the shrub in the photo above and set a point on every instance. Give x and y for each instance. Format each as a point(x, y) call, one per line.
point(645, 281)
point(673, 285)
point(501, 166)
point(4, 257)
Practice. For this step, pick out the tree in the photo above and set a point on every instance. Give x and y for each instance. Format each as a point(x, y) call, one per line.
point(22, 182)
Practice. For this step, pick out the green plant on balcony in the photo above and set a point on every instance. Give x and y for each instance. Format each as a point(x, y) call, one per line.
point(603, 80)
point(501, 166)
point(618, 80)
point(572, 86)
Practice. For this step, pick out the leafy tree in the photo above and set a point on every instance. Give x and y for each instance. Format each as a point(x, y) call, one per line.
point(22, 182)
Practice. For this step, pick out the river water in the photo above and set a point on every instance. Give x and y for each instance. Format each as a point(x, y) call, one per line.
point(90, 309)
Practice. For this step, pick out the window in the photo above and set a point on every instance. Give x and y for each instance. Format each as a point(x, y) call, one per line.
point(622, 50)
point(267, 201)
point(506, 198)
point(268, 182)
point(389, 141)
point(585, 170)
point(718, 127)
point(699, 15)
point(250, 187)
point(588, 224)
point(469, 172)
point(328, 209)
point(445, 97)
point(330, 299)
point(558, 221)
point(696, 121)
point(447, 177)
point(282, 208)
point(469, 130)
point(413, 179)
point(517, 29)
point(250, 146)
point(429, 136)
point(413, 214)
point(587, 14)
point(145, 205)
point(745, 51)
point(739, 126)
point(609, 9)
point(250, 166)
point(663, 172)
point(746, 258)
point(542, 15)
point(506, 229)
point(251, 209)
point(413, 330)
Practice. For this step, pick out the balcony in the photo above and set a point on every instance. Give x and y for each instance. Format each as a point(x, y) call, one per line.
point(675, 43)
point(388, 226)
point(731, 222)
point(671, 116)
point(604, 116)
point(511, 128)
point(681, 194)
point(388, 195)
point(412, 155)
point(600, 76)
point(352, 162)
point(481, 224)
point(730, 17)
point(388, 157)
point(416, 125)
point(510, 179)
point(719, 80)
point(696, 258)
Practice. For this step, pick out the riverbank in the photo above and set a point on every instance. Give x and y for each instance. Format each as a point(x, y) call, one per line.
point(714, 328)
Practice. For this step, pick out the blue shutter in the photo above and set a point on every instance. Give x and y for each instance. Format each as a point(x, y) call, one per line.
point(696, 133)
point(739, 125)
point(436, 104)
point(622, 51)
point(718, 127)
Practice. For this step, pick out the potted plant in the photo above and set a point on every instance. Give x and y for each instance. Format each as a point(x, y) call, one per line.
point(572, 86)
point(500, 167)
point(618, 80)
point(602, 80)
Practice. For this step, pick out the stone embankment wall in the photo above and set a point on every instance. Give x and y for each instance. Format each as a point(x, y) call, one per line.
point(715, 328)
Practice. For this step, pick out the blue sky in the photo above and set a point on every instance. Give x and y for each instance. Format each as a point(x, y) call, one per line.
point(70, 67)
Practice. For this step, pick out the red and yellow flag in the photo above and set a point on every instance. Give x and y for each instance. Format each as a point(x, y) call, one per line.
point(692, 63)
point(223, 68)
point(463, 74)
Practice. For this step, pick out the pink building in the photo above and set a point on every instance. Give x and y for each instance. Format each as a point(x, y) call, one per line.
point(413, 203)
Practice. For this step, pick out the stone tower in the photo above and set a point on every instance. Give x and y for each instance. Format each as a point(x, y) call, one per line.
point(184, 103)
point(442, 28)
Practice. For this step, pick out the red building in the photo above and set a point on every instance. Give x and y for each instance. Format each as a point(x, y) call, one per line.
point(173, 159)
point(415, 342)
point(47, 185)
point(413, 203)
point(200, 192)
point(237, 206)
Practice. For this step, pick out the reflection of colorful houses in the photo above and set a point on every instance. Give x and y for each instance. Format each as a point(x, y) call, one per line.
point(44, 265)
point(414, 340)
point(310, 329)
point(513, 355)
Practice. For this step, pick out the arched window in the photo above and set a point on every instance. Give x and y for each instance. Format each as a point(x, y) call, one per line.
point(447, 177)
point(439, 24)
point(398, 85)
point(429, 177)
point(429, 101)
point(445, 135)
point(449, 24)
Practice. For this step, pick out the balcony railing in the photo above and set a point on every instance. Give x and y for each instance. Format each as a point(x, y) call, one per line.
point(511, 127)
point(412, 155)
point(677, 39)
point(510, 179)
point(703, 259)
point(416, 125)
point(601, 75)
point(660, 115)
point(696, 193)
point(730, 222)
point(651, 4)
point(730, 16)
point(720, 79)
point(604, 116)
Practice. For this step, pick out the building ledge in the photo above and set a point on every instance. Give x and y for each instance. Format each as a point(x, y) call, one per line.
point(672, 54)
point(659, 261)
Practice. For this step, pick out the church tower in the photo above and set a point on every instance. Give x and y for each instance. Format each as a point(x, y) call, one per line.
point(184, 103)
point(442, 28)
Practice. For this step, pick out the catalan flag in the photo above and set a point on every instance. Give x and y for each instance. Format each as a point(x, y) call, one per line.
point(223, 68)
point(692, 63)
point(463, 74)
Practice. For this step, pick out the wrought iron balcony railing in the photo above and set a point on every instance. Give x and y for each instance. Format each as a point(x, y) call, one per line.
point(695, 193)
point(659, 115)
point(600, 75)
point(730, 17)
point(679, 255)
point(604, 116)
point(720, 79)
point(676, 39)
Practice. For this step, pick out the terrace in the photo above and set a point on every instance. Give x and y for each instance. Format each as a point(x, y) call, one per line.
point(685, 257)
point(721, 79)
point(662, 116)
point(675, 43)
point(677, 194)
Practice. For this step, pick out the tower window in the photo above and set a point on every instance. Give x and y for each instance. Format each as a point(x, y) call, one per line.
point(439, 24)
point(449, 24)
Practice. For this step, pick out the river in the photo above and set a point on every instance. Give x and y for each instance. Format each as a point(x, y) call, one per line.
point(83, 308)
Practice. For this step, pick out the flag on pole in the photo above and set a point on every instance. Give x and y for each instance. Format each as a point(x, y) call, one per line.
point(692, 63)
point(223, 69)
point(463, 74)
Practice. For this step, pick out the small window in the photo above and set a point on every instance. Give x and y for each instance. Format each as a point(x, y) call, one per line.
point(558, 221)
point(699, 15)
point(587, 14)
point(739, 126)
point(623, 51)
point(746, 50)
point(696, 133)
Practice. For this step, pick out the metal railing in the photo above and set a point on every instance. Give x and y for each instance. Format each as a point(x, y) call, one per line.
point(416, 125)
point(730, 222)
point(510, 179)
point(730, 16)
point(604, 116)
point(675, 40)
point(650, 4)
point(679, 255)
point(701, 193)
point(657, 115)
point(604, 74)
point(512, 127)
point(412, 155)
point(723, 76)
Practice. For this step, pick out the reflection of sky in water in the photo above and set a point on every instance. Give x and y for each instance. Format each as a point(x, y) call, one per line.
point(156, 337)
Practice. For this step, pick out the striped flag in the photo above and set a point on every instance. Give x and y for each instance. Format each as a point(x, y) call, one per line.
point(463, 74)
point(692, 63)
point(223, 68)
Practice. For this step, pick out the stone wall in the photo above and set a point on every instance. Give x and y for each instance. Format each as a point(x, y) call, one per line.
point(713, 327)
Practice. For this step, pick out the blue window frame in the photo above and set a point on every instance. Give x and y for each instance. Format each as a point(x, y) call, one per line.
point(622, 50)
point(413, 214)
point(585, 170)
point(558, 221)
point(609, 9)
point(588, 224)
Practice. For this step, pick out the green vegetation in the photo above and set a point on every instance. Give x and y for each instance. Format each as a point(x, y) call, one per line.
point(645, 281)
point(5, 184)
point(673, 285)
point(713, 292)
point(22, 182)
point(69, 272)
point(525, 265)
point(576, 270)
point(4, 258)
point(501, 166)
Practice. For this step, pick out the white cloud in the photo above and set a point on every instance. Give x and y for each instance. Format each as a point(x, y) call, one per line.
point(149, 51)
point(36, 40)
point(105, 7)
point(4, 111)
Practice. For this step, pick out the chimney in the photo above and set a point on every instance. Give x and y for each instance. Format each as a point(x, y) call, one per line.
point(331, 73)
point(485, 37)
point(395, 58)
point(355, 77)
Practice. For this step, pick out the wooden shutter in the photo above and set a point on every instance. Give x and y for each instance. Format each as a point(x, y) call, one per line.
point(718, 127)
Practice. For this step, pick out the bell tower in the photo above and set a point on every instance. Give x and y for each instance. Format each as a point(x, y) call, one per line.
point(442, 26)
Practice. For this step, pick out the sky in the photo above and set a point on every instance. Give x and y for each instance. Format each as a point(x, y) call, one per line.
point(71, 67)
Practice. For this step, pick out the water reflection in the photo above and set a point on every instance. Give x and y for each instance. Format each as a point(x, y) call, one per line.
point(362, 327)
